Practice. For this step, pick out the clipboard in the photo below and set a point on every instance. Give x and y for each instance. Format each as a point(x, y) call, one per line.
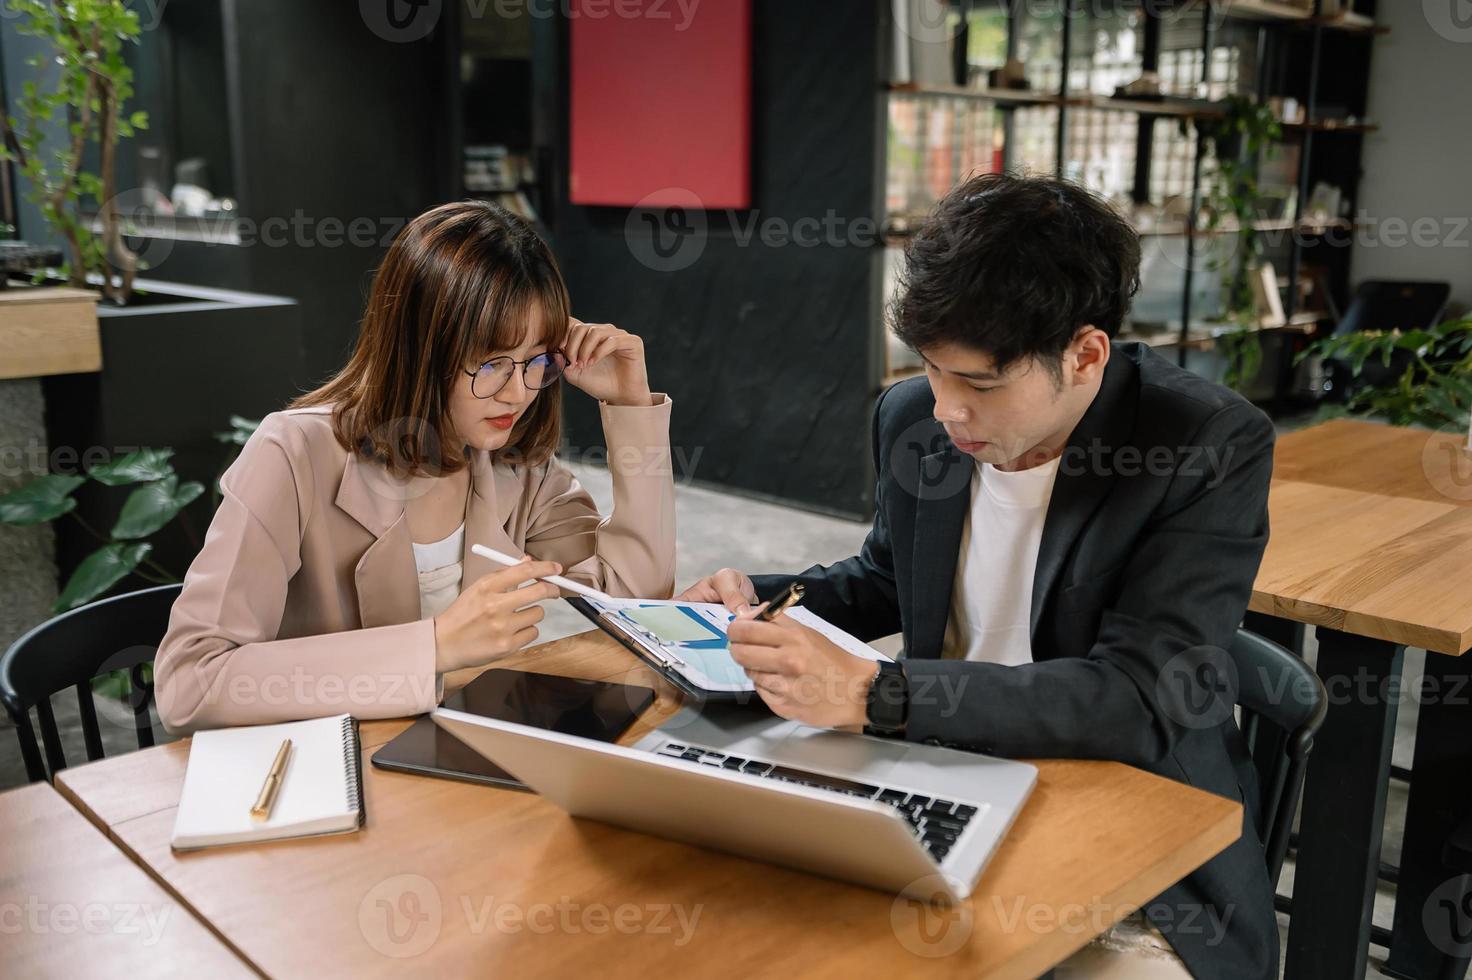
point(676, 662)
point(654, 656)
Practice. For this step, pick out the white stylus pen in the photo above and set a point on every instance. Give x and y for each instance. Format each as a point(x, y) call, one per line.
point(557, 580)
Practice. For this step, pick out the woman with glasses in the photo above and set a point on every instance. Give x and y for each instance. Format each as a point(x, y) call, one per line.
point(337, 575)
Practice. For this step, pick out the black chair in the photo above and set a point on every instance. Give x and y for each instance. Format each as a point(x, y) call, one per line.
point(1458, 856)
point(1387, 305)
point(1277, 689)
point(1382, 304)
point(119, 633)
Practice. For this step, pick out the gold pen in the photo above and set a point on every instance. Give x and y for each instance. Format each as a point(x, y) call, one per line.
point(792, 597)
point(267, 798)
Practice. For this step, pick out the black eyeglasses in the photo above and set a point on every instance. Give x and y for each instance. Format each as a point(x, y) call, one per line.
point(540, 372)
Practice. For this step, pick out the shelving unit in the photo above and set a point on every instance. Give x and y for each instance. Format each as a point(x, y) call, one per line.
point(1268, 10)
point(1276, 11)
point(1175, 108)
point(1001, 96)
point(1293, 51)
point(899, 231)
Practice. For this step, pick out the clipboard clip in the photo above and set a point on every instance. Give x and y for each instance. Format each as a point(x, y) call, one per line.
point(646, 641)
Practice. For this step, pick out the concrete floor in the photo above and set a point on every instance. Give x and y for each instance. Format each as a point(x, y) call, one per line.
point(719, 529)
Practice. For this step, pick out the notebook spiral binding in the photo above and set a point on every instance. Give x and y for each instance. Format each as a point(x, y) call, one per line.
point(352, 757)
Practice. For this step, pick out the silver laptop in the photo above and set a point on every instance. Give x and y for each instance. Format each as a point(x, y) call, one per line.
point(904, 818)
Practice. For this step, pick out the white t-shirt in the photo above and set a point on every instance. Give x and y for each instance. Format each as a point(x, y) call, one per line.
point(991, 601)
point(441, 566)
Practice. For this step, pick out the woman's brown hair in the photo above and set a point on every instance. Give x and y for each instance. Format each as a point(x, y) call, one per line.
point(460, 282)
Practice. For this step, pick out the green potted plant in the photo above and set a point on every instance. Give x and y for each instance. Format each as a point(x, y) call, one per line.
point(156, 498)
point(86, 106)
point(1238, 139)
point(1432, 388)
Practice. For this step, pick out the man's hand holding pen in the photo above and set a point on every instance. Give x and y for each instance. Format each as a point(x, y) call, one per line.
point(800, 673)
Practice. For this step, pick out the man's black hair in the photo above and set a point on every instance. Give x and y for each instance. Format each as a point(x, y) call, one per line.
point(1012, 266)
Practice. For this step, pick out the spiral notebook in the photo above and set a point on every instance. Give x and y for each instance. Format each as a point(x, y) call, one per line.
point(321, 791)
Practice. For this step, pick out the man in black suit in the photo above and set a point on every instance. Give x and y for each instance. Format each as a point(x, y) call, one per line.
point(1067, 533)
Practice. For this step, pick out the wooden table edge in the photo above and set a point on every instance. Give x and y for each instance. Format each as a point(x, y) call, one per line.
point(1442, 641)
point(65, 792)
point(1039, 958)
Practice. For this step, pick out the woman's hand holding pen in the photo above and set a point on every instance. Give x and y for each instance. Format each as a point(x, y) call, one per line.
point(495, 617)
point(607, 363)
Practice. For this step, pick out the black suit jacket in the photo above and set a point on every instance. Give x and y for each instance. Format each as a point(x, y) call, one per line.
point(1152, 538)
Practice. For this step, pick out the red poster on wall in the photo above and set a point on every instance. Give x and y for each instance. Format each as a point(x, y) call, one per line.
point(661, 102)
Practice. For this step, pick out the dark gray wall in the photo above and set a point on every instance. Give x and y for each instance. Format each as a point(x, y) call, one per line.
point(333, 121)
point(769, 351)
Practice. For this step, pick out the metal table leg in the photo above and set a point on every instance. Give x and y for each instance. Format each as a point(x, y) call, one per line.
point(1429, 924)
point(1344, 809)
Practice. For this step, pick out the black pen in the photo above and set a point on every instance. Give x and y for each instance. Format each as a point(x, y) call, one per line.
point(777, 607)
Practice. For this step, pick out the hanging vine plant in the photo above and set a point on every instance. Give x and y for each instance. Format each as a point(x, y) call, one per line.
point(1238, 139)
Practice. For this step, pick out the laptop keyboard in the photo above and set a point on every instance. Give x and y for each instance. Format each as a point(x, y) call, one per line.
point(938, 823)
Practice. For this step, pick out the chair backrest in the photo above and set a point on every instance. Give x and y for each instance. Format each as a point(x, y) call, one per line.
point(1276, 688)
point(1381, 304)
point(118, 633)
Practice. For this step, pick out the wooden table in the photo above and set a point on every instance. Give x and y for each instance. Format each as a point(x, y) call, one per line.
point(450, 878)
point(1372, 543)
point(71, 904)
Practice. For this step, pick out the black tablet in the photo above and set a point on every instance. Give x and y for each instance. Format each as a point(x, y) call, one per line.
point(590, 709)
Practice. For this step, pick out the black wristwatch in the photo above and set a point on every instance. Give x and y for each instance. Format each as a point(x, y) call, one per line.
point(889, 701)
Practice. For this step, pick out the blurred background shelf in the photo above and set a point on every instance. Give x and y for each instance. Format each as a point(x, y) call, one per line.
point(1301, 15)
point(1003, 96)
point(1151, 155)
point(1269, 10)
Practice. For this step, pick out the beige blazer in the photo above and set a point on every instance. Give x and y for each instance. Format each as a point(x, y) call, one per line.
point(304, 600)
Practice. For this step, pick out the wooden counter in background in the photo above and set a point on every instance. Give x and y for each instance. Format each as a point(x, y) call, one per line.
point(48, 330)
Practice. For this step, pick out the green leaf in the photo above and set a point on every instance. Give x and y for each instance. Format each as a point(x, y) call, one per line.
point(140, 467)
point(139, 119)
point(1357, 365)
point(43, 499)
point(1414, 339)
point(1331, 410)
point(1442, 404)
point(153, 505)
point(118, 684)
point(113, 684)
point(100, 571)
point(241, 429)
